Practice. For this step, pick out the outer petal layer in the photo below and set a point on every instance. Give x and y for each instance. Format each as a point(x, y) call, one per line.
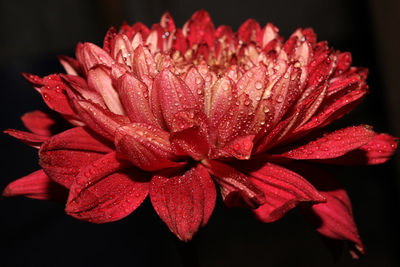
point(283, 191)
point(104, 192)
point(36, 185)
point(184, 202)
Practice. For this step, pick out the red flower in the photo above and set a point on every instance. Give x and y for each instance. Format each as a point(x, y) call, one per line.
point(171, 112)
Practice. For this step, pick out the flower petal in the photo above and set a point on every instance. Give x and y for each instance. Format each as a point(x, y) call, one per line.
point(90, 55)
point(122, 46)
point(379, 150)
point(31, 139)
point(184, 202)
point(63, 155)
point(55, 96)
point(170, 95)
point(334, 144)
point(134, 95)
point(40, 123)
point(147, 147)
point(189, 134)
point(143, 62)
point(283, 190)
point(249, 31)
point(99, 78)
point(103, 192)
point(236, 188)
point(199, 29)
point(36, 185)
point(99, 119)
point(70, 65)
point(334, 218)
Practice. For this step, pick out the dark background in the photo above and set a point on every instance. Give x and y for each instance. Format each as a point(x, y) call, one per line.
point(38, 233)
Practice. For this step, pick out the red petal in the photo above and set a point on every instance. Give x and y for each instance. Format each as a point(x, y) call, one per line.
point(103, 193)
point(122, 46)
point(190, 134)
point(33, 79)
point(199, 29)
point(283, 190)
point(332, 110)
point(108, 39)
point(334, 144)
point(78, 86)
point(284, 92)
point(53, 92)
point(249, 31)
point(36, 185)
point(30, 139)
point(99, 119)
point(184, 202)
point(170, 95)
point(63, 155)
point(167, 22)
point(99, 78)
point(39, 122)
point(379, 150)
point(334, 218)
point(145, 146)
point(220, 100)
point(180, 42)
point(138, 27)
point(195, 82)
point(236, 188)
point(134, 95)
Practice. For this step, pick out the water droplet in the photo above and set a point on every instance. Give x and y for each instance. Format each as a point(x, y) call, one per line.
point(259, 85)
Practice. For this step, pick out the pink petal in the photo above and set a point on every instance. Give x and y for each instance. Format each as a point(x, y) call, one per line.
point(30, 139)
point(334, 218)
point(236, 188)
point(378, 150)
point(170, 95)
point(269, 33)
point(334, 144)
point(78, 86)
point(70, 65)
point(39, 122)
point(122, 46)
point(143, 62)
point(147, 147)
point(99, 78)
point(189, 134)
point(90, 55)
point(283, 190)
point(63, 155)
point(184, 202)
point(134, 95)
point(36, 185)
point(99, 119)
point(103, 192)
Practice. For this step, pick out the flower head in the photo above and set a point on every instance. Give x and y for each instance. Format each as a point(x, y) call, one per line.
point(172, 113)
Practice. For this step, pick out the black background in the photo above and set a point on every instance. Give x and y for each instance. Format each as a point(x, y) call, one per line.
point(38, 233)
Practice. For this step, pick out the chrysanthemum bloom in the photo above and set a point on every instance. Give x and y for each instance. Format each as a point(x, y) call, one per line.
point(174, 113)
